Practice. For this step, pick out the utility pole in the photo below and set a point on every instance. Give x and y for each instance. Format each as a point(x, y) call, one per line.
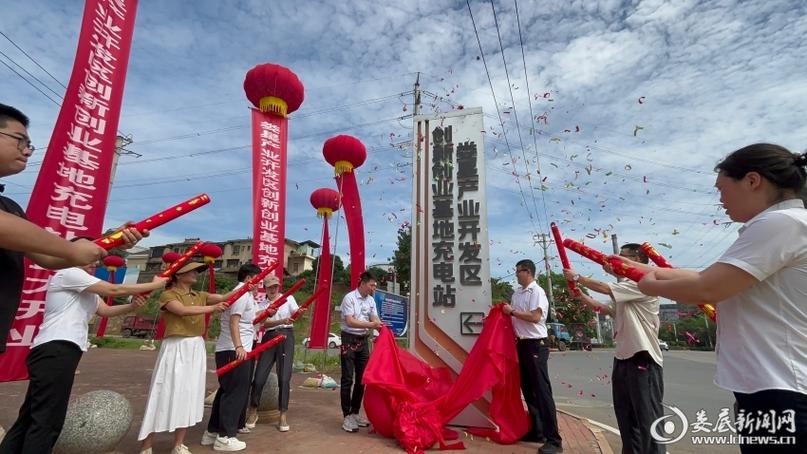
point(120, 150)
point(545, 244)
point(416, 94)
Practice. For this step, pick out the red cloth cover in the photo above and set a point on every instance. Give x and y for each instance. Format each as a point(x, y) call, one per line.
point(412, 401)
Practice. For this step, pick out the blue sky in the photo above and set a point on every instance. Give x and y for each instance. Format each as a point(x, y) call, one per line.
point(660, 92)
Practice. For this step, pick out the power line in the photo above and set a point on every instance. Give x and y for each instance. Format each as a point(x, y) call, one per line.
point(515, 115)
point(532, 115)
point(30, 83)
point(498, 112)
point(31, 75)
point(33, 60)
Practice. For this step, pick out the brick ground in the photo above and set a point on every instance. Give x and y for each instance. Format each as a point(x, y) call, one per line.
point(314, 416)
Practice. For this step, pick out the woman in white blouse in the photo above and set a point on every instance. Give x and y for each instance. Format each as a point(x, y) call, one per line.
point(281, 354)
point(759, 288)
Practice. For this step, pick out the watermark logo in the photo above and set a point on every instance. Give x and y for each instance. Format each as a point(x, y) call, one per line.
point(760, 427)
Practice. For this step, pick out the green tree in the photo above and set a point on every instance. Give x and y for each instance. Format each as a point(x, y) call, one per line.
point(402, 257)
point(565, 308)
point(500, 290)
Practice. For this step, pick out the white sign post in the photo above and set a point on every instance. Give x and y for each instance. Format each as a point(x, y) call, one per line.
point(450, 250)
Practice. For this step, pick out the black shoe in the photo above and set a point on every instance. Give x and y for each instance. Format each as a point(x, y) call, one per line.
point(533, 438)
point(550, 448)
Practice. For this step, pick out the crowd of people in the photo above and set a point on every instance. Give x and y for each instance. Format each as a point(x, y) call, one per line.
point(759, 287)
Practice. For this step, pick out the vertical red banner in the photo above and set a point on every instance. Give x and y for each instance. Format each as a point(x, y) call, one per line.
point(70, 195)
point(321, 319)
point(269, 139)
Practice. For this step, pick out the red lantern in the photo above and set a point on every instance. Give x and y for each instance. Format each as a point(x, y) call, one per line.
point(113, 262)
point(326, 201)
point(274, 88)
point(210, 252)
point(171, 257)
point(344, 153)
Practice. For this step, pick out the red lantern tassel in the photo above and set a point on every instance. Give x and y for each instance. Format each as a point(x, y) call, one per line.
point(102, 324)
point(321, 319)
point(355, 223)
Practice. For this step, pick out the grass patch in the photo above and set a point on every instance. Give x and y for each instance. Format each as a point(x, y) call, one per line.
point(117, 342)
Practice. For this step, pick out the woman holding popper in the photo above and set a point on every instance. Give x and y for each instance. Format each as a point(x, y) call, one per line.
point(759, 287)
point(176, 394)
point(281, 355)
point(234, 342)
point(72, 300)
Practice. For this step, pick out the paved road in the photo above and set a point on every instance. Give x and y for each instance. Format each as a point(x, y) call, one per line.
point(581, 383)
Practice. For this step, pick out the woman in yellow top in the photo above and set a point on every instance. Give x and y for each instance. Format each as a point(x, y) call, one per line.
point(176, 395)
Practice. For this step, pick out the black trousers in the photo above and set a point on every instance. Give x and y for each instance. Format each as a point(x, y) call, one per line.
point(638, 390)
point(281, 355)
point(51, 368)
point(227, 414)
point(778, 404)
point(533, 355)
point(355, 352)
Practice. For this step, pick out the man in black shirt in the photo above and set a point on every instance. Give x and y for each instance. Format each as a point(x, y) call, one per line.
point(20, 238)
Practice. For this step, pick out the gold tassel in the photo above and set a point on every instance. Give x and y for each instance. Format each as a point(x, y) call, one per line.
point(274, 105)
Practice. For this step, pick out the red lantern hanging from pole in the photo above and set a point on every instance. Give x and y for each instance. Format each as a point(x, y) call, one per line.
point(345, 154)
point(112, 263)
point(325, 201)
point(210, 252)
point(275, 91)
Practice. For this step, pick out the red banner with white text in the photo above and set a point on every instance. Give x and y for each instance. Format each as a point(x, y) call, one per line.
point(269, 139)
point(70, 195)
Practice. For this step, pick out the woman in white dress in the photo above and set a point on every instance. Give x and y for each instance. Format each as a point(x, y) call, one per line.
point(176, 395)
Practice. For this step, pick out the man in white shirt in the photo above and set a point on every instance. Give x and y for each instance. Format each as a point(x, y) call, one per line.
point(359, 317)
point(529, 308)
point(638, 382)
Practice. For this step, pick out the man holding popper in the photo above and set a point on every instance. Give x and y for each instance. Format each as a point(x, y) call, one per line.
point(638, 385)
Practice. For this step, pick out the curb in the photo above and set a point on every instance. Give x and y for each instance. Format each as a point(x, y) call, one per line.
point(596, 428)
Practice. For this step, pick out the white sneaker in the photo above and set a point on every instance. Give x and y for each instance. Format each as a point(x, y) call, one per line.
point(181, 449)
point(228, 444)
point(208, 438)
point(349, 424)
point(360, 421)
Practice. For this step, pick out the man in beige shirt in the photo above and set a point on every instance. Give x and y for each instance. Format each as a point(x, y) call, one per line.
point(637, 378)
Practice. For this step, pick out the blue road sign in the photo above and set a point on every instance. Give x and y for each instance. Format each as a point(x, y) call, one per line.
point(393, 310)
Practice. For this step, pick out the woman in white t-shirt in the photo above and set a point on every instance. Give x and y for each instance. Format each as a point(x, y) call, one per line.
point(759, 287)
point(71, 301)
point(235, 340)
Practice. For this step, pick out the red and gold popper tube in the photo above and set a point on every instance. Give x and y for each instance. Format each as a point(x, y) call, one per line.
point(654, 255)
point(251, 355)
point(182, 260)
point(116, 239)
point(620, 269)
point(662, 262)
point(249, 284)
point(305, 305)
point(279, 302)
point(564, 259)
